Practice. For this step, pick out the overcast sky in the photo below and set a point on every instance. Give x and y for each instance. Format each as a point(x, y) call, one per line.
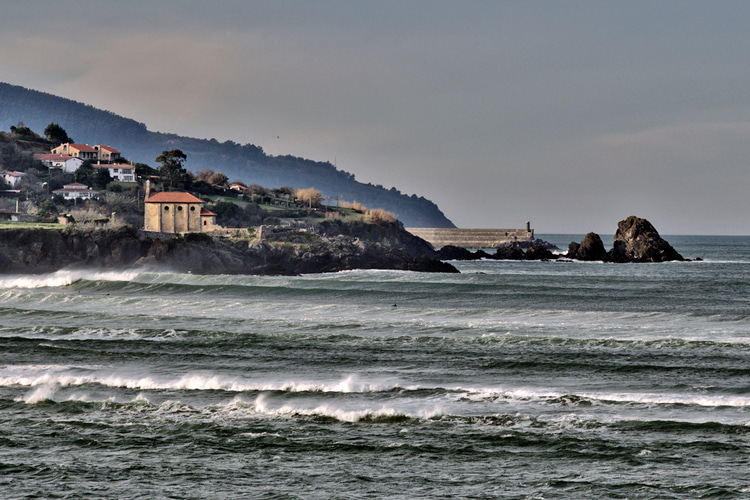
point(570, 114)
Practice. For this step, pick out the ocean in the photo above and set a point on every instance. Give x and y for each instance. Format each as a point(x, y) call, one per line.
point(519, 380)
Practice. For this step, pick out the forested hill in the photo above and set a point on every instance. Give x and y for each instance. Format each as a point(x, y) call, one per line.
point(248, 162)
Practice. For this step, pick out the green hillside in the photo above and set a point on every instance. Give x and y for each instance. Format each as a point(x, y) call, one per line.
point(247, 162)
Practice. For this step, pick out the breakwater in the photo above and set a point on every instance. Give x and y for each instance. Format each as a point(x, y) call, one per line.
point(472, 238)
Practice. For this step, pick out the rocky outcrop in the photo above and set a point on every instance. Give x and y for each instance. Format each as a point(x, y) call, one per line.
point(283, 253)
point(509, 252)
point(637, 240)
point(591, 248)
point(538, 252)
point(451, 252)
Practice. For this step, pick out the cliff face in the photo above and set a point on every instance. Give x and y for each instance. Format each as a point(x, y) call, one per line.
point(44, 250)
point(286, 253)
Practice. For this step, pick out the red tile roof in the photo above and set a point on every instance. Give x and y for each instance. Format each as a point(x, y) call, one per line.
point(52, 157)
point(205, 211)
point(109, 148)
point(173, 197)
point(82, 147)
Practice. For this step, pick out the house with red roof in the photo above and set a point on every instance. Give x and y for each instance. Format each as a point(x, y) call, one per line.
point(67, 163)
point(107, 153)
point(177, 212)
point(82, 151)
point(12, 178)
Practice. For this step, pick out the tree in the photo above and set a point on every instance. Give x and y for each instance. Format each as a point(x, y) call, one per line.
point(102, 177)
point(24, 133)
point(85, 173)
point(171, 170)
point(218, 179)
point(204, 175)
point(143, 170)
point(57, 134)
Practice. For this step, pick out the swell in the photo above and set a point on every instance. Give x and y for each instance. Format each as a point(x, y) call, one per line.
point(104, 415)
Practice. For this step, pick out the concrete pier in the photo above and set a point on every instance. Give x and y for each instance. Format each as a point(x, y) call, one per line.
point(472, 238)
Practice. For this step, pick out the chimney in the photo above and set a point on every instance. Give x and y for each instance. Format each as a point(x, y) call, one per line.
point(148, 189)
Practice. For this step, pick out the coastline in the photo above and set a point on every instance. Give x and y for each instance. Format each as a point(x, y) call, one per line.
point(329, 249)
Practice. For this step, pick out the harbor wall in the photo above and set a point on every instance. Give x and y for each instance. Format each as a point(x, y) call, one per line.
point(472, 238)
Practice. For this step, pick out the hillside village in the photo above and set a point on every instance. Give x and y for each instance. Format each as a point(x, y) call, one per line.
point(52, 179)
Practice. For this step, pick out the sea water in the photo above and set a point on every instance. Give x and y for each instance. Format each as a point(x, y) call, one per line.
point(510, 380)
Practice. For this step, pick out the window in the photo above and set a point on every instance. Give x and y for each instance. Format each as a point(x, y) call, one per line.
point(179, 208)
point(166, 208)
point(192, 209)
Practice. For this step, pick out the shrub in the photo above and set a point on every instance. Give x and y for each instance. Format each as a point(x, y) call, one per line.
point(48, 207)
point(310, 196)
point(380, 215)
point(354, 205)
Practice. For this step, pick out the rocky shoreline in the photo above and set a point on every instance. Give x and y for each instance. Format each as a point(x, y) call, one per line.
point(636, 241)
point(329, 248)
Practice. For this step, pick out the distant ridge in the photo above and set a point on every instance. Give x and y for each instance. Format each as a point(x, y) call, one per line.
point(247, 162)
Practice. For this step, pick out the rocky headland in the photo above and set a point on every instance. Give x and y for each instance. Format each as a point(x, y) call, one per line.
point(328, 247)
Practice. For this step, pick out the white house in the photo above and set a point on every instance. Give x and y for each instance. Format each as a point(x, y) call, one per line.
point(12, 178)
point(76, 191)
point(67, 163)
point(120, 171)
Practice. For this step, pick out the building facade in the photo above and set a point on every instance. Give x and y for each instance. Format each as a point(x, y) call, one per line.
point(65, 162)
point(107, 153)
point(12, 178)
point(173, 212)
point(76, 191)
point(82, 151)
point(120, 171)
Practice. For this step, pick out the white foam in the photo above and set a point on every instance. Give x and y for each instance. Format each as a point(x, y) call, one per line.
point(326, 410)
point(64, 278)
point(42, 393)
point(63, 376)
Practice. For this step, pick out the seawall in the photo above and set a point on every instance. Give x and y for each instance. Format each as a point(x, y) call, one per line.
point(472, 238)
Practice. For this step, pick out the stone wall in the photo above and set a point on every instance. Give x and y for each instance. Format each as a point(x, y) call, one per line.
point(472, 238)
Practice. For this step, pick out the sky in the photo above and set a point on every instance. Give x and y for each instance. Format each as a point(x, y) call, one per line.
point(572, 115)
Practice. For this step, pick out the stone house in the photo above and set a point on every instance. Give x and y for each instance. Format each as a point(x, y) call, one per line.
point(177, 212)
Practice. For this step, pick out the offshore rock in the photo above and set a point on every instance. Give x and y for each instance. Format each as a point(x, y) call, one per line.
point(452, 252)
point(637, 240)
point(508, 253)
point(539, 252)
point(590, 249)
